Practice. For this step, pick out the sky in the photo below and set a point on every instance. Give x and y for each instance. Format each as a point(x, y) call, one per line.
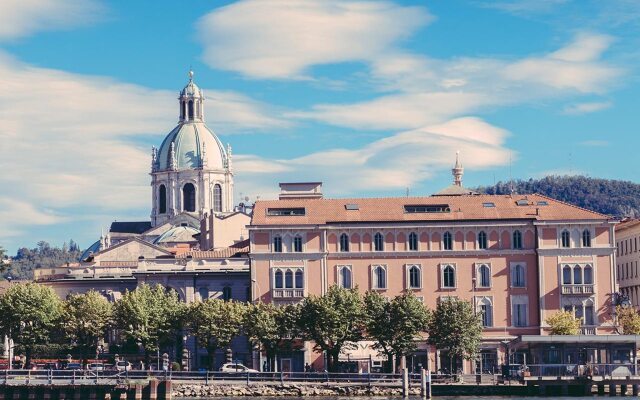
point(373, 98)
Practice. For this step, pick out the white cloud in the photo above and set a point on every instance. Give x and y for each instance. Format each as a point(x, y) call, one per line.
point(392, 163)
point(428, 91)
point(69, 140)
point(525, 7)
point(585, 108)
point(14, 213)
point(283, 38)
point(22, 17)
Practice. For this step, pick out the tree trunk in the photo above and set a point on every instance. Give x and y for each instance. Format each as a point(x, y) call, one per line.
point(212, 356)
point(271, 359)
point(391, 368)
point(27, 356)
point(333, 360)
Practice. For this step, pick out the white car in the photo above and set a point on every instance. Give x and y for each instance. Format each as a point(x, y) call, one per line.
point(233, 367)
point(123, 366)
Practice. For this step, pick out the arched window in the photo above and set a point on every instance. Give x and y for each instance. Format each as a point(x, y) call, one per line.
point(277, 244)
point(226, 293)
point(297, 244)
point(447, 241)
point(182, 105)
point(486, 312)
point(378, 242)
point(588, 275)
point(278, 280)
point(415, 277)
point(485, 276)
point(448, 277)
point(189, 197)
point(345, 277)
point(566, 275)
point(482, 240)
point(517, 276)
point(413, 241)
point(344, 242)
point(162, 199)
point(299, 279)
point(190, 107)
point(217, 198)
point(586, 238)
point(565, 239)
point(379, 277)
point(288, 279)
point(577, 275)
point(517, 240)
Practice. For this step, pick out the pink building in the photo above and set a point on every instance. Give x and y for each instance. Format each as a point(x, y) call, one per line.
point(517, 258)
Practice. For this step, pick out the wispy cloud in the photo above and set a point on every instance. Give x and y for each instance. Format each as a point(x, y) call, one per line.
point(392, 163)
point(595, 143)
point(20, 18)
point(283, 38)
point(585, 108)
point(525, 7)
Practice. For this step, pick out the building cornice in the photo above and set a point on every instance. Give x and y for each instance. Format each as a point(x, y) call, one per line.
point(577, 252)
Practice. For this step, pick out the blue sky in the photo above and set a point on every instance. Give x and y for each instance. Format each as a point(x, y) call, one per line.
point(371, 97)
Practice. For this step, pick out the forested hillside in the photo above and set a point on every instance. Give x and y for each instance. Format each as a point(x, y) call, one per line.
point(611, 197)
point(26, 260)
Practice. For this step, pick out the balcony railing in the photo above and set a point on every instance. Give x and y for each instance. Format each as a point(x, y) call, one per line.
point(588, 330)
point(577, 289)
point(287, 293)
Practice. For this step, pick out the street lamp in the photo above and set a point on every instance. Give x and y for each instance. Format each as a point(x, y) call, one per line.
point(253, 280)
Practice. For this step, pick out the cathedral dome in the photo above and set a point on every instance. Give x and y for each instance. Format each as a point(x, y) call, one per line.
point(194, 145)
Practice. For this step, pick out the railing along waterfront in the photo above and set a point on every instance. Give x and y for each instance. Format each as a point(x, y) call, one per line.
point(578, 370)
point(113, 377)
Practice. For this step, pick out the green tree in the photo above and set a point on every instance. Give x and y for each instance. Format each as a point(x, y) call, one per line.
point(215, 323)
point(629, 320)
point(149, 316)
point(455, 327)
point(395, 324)
point(272, 327)
point(333, 322)
point(563, 323)
point(29, 313)
point(87, 317)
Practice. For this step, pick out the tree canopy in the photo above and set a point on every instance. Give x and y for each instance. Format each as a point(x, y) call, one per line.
point(87, 317)
point(215, 323)
point(395, 324)
point(29, 313)
point(628, 320)
point(563, 323)
point(455, 327)
point(333, 322)
point(42, 256)
point(149, 316)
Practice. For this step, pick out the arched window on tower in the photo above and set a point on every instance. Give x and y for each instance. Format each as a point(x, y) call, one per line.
point(217, 198)
point(182, 110)
point(190, 105)
point(162, 199)
point(189, 197)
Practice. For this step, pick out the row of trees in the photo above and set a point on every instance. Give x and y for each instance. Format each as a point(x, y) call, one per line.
point(42, 256)
point(153, 317)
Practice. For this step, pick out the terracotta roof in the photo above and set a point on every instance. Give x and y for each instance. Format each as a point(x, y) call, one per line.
point(627, 224)
point(235, 250)
point(392, 209)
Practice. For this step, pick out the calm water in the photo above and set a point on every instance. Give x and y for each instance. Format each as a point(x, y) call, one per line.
point(398, 397)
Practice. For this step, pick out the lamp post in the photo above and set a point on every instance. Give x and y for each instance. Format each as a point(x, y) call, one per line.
point(253, 280)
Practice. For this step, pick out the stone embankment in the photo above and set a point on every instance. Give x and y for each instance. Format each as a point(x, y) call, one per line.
point(299, 390)
point(199, 391)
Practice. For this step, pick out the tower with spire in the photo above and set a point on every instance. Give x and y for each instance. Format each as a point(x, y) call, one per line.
point(191, 170)
point(457, 171)
point(456, 189)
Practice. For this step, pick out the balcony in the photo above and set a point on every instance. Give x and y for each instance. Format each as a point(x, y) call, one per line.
point(287, 293)
point(588, 330)
point(577, 289)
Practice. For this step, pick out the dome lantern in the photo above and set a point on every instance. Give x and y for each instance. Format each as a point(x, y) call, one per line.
point(191, 102)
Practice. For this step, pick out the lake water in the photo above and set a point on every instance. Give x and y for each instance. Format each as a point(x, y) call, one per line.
point(398, 397)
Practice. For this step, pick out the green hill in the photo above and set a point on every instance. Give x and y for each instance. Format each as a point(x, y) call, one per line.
point(612, 197)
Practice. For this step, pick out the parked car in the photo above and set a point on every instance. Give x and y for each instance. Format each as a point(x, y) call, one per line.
point(96, 367)
point(123, 366)
point(235, 367)
point(74, 366)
